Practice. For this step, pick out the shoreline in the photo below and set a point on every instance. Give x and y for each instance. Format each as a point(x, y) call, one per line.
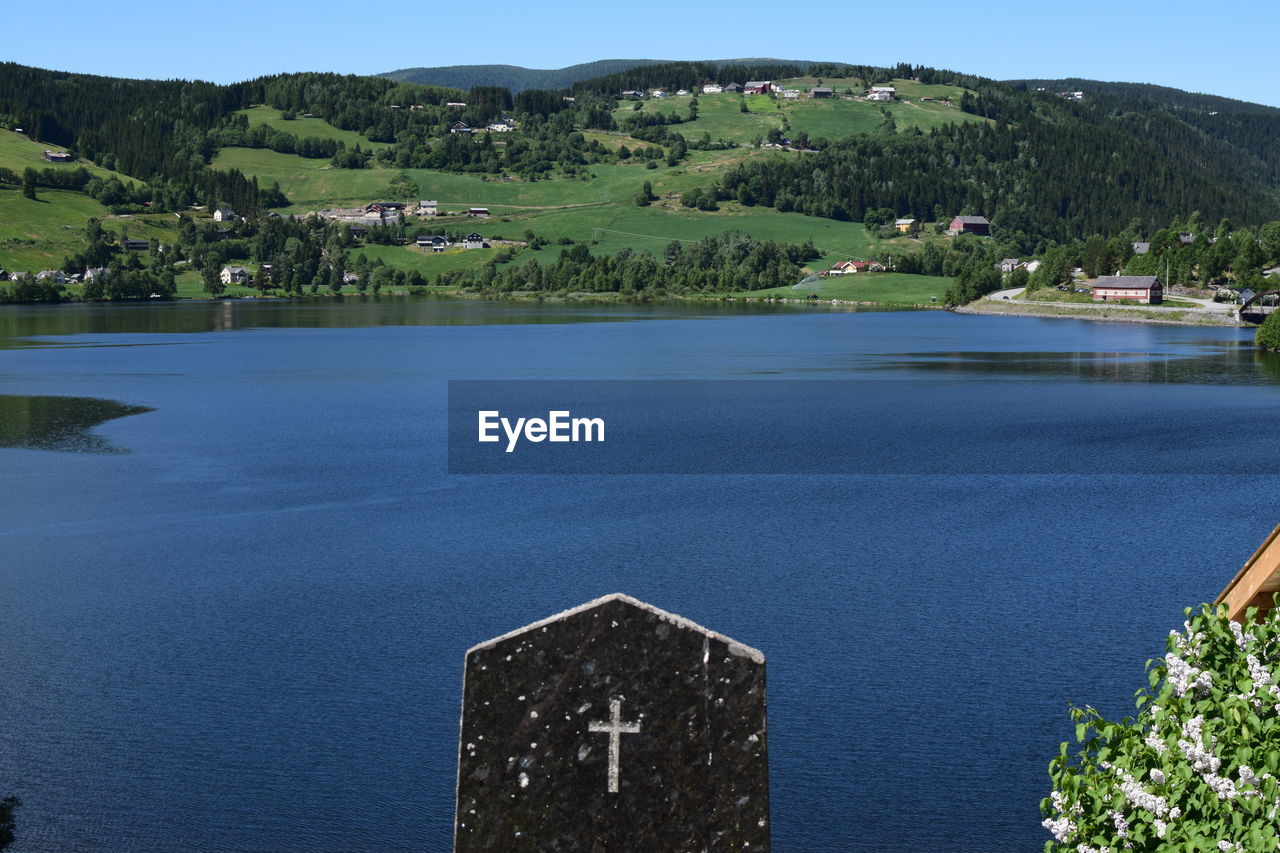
point(1077, 311)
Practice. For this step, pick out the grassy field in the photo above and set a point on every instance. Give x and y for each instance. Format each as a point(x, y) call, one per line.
point(314, 184)
point(428, 263)
point(305, 127)
point(885, 288)
point(834, 118)
point(610, 228)
point(37, 235)
point(17, 152)
point(718, 115)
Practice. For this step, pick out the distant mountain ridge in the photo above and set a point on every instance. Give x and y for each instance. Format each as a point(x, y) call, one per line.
point(517, 78)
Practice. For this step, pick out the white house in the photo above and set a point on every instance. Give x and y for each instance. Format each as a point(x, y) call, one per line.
point(473, 241)
point(52, 275)
point(882, 93)
point(428, 207)
point(235, 275)
point(224, 214)
point(712, 89)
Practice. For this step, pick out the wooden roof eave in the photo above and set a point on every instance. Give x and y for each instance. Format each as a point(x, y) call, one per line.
point(1257, 580)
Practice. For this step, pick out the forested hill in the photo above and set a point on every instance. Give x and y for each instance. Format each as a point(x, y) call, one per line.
point(514, 77)
point(1252, 128)
point(1039, 166)
point(517, 79)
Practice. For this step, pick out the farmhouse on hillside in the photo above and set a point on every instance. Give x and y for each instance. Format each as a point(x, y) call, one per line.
point(224, 214)
point(478, 212)
point(969, 225)
point(852, 267)
point(58, 156)
point(882, 93)
point(734, 88)
point(1138, 288)
point(712, 89)
point(757, 87)
point(460, 127)
point(904, 225)
point(235, 275)
point(474, 241)
point(433, 244)
point(428, 207)
point(822, 92)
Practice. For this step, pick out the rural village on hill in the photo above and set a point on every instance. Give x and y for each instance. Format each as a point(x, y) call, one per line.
point(378, 243)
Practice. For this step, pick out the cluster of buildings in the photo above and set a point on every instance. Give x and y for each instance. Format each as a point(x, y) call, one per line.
point(502, 125)
point(765, 87)
point(852, 267)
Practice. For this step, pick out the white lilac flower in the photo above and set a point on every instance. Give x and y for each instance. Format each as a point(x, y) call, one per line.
point(1154, 741)
point(1136, 794)
point(1261, 677)
point(1122, 825)
point(1222, 786)
point(1061, 829)
point(1180, 672)
point(1161, 827)
point(1238, 633)
point(1200, 756)
point(1157, 775)
point(1247, 776)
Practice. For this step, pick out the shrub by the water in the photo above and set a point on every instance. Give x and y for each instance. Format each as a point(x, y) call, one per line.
point(1268, 334)
point(1196, 769)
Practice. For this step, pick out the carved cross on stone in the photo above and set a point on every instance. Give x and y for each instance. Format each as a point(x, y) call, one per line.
point(616, 728)
point(687, 703)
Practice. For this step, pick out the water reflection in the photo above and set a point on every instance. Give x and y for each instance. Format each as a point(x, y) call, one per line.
point(19, 323)
point(1209, 362)
point(59, 423)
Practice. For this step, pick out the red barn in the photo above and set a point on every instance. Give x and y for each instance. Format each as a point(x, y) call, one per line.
point(969, 225)
point(758, 87)
point(1138, 288)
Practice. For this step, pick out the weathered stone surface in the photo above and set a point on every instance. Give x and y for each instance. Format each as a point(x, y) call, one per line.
point(614, 726)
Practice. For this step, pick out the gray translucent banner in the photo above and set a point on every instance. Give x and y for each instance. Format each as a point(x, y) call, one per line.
point(859, 427)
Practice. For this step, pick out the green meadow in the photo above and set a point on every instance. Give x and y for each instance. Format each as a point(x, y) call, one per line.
point(608, 229)
point(17, 152)
point(884, 288)
point(307, 127)
point(314, 184)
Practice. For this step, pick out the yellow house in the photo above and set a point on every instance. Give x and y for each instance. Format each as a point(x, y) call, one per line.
point(1255, 583)
point(904, 225)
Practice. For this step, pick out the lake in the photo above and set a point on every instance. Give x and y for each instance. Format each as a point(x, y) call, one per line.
point(237, 580)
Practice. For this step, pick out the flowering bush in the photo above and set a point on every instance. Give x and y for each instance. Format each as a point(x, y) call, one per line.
point(1197, 769)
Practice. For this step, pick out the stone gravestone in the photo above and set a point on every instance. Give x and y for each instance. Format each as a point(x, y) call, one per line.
point(614, 726)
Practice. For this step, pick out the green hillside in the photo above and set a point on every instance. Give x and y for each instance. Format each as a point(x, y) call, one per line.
point(304, 127)
point(594, 174)
point(18, 152)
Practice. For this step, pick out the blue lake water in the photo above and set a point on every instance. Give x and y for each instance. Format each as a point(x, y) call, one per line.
point(235, 620)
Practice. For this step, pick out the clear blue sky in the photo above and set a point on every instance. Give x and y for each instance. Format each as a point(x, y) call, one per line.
point(1223, 48)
